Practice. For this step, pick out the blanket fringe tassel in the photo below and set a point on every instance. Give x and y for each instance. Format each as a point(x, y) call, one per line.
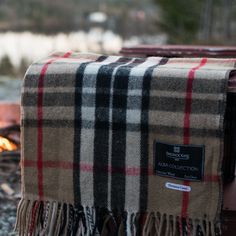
point(53, 218)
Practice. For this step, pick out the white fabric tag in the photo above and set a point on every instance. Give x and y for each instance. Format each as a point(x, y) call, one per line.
point(178, 187)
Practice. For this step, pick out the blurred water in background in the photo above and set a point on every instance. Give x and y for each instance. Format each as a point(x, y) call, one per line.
point(10, 89)
point(31, 47)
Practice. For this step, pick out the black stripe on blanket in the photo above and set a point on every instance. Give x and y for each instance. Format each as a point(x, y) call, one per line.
point(77, 126)
point(101, 134)
point(144, 134)
point(118, 153)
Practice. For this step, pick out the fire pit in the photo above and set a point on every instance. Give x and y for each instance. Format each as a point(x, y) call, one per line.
point(9, 127)
point(9, 165)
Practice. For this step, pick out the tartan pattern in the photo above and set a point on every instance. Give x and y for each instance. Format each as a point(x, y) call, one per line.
point(89, 123)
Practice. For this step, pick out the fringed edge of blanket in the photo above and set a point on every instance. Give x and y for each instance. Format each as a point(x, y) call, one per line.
point(53, 218)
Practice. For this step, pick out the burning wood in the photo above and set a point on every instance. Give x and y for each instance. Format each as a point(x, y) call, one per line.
point(6, 145)
point(10, 138)
point(9, 127)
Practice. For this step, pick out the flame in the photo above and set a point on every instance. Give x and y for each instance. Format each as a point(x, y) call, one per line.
point(6, 145)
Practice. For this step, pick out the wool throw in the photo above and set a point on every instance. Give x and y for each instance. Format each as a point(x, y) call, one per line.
point(113, 145)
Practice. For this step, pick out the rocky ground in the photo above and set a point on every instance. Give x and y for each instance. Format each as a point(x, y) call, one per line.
point(9, 192)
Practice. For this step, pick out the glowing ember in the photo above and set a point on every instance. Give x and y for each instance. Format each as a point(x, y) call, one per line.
point(6, 145)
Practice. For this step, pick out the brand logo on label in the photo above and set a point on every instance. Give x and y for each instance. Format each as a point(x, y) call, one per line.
point(178, 187)
point(176, 149)
point(176, 155)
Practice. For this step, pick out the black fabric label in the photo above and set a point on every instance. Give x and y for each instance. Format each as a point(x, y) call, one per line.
point(179, 161)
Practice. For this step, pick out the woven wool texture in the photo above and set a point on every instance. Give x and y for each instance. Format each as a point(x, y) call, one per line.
point(88, 127)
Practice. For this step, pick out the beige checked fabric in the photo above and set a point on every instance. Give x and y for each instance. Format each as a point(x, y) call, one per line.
point(113, 145)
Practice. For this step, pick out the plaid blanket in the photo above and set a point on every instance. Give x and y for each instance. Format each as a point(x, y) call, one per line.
point(114, 145)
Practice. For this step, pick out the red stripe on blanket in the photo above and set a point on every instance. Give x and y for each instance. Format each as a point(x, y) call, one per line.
point(186, 135)
point(33, 216)
point(40, 126)
point(85, 167)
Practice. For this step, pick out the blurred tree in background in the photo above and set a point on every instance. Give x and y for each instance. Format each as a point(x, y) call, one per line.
point(43, 16)
point(180, 19)
point(184, 21)
point(198, 21)
point(6, 67)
